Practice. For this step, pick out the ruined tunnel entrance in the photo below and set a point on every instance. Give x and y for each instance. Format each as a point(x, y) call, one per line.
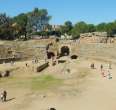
point(65, 51)
point(50, 55)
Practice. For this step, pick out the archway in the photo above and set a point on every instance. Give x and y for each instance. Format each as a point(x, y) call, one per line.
point(50, 55)
point(65, 51)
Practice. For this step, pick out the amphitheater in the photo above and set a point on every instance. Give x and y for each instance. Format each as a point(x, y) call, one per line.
point(68, 85)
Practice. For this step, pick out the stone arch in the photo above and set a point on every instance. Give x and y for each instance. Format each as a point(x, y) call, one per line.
point(50, 54)
point(65, 50)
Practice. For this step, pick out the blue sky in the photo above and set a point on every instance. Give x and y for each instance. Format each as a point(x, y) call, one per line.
point(90, 11)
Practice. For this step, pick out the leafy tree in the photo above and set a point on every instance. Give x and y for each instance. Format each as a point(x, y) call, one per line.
point(114, 28)
point(101, 27)
point(111, 28)
point(81, 27)
point(66, 28)
point(91, 28)
point(20, 24)
point(6, 31)
point(38, 19)
point(69, 25)
point(75, 34)
point(34, 21)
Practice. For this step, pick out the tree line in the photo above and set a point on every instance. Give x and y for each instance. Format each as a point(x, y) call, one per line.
point(37, 22)
point(83, 27)
point(23, 24)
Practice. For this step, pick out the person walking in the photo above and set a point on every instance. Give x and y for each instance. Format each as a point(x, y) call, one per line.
point(4, 96)
point(92, 66)
point(101, 67)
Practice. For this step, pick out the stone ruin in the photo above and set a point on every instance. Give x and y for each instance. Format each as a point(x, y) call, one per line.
point(58, 49)
point(5, 74)
point(7, 51)
point(94, 34)
point(8, 54)
point(95, 37)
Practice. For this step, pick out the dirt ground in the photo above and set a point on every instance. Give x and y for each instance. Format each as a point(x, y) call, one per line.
point(70, 86)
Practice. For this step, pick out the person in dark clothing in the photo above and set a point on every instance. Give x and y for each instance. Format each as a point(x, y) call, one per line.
point(4, 96)
point(101, 67)
point(0, 75)
point(92, 66)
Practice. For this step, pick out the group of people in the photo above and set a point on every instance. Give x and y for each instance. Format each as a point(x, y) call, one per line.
point(3, 96)
point(104, 73)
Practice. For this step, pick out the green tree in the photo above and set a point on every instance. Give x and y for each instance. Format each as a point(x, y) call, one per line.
point(66, 28)
point(81, 27)
point(91, 28)
point(38, 19)
point(20, 24)
point(111, 28)
point(75, 34)
point(6, 30)
point(101, 27)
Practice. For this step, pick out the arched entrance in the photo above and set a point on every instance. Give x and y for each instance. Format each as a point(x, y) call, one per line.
point(65, 51)
point(50, 55)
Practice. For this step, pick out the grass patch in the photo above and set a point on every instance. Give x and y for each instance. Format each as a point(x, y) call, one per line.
point(43, 82)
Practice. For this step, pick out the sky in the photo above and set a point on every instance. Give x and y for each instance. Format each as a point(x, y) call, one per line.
point(90, 11)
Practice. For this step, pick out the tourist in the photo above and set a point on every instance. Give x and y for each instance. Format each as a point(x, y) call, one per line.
point(12, 63)
point(1, 97)
point(68, 70)
point(0, 75)
point(110, 66)
point(26, 64)
point(101, 67)
point(4, 96)
point(109, 75)
point(92, 66)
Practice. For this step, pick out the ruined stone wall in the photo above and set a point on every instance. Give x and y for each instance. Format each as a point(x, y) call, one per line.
point(94, 37)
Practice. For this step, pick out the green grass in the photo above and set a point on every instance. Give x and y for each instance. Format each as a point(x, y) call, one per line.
point(43, 82)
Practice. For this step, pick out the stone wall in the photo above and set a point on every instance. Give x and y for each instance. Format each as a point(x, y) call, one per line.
point(95, 37)
point(94, 34)
point(8, 60)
